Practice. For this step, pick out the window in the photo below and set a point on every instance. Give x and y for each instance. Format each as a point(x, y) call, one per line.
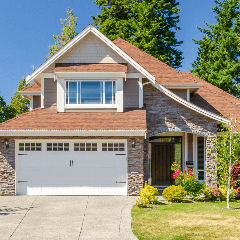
point(30, 147)
point(201, 157)
point(113, 147)
point(57, 146)
point(90, 92)
point(85, 146)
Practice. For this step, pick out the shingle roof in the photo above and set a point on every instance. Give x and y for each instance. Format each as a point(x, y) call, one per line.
point(34, 87)
point(50, 119)
point(207, 97)
point(115, 67)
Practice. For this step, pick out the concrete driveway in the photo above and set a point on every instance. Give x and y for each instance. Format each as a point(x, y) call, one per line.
point(66, 217)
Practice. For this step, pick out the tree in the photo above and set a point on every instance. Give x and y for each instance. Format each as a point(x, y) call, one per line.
point(219, 51)
point(19, 104)
point(68, 33)
point(6, 111)
point(228, 149)
point(148, 24)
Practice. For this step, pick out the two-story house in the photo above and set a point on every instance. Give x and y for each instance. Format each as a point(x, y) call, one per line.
point(105, 117)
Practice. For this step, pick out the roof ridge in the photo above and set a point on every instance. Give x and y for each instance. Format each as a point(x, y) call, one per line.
point(153, 58)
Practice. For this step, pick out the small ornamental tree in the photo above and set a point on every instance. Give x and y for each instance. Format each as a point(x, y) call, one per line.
point(68, 33)
point(228, 149)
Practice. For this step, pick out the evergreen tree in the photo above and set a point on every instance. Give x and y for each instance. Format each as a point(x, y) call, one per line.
point(6, 111)
point(18, 103)
point(68, 33)
point(148, 24)
point(219, 50)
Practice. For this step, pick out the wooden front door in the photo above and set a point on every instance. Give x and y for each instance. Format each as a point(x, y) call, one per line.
point(162, 159)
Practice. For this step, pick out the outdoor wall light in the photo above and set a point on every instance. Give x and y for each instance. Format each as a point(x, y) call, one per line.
point(6, 143)
point(133, 143)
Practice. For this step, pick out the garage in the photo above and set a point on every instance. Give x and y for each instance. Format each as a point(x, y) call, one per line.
point(71, 167)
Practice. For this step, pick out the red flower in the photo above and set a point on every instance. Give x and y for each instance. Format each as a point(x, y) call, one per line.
point(175, 175)
point(190, 173)
point(184, 170)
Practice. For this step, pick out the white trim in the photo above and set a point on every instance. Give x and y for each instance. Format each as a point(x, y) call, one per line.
point(135, 75)
point(31, 104)
point(29, 92)
point(140, 92)
point(182, 86)
point(42, 92)
point(82, 34)
point(190, 105)
point(185, 150)
point(46, 75)
point(72, 133)
point(188, 95)
point(90, 74)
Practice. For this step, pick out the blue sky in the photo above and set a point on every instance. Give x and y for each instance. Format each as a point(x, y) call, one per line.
point(27, 28)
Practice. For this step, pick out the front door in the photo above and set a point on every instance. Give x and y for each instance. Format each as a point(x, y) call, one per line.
point(162, 159)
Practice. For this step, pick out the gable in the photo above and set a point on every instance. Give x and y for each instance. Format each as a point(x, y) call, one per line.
point(90, 49)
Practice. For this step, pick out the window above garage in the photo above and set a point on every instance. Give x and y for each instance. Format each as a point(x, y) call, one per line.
point(90, 92)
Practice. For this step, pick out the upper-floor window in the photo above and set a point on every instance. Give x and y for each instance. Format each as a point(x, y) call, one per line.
point(90, 92)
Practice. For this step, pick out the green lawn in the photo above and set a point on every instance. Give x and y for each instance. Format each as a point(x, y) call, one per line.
point(199, 220)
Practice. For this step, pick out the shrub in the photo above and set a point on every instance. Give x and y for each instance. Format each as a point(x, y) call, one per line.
point(219, 194)
point(187, 179)
point(223, 195)
point(236, 176)
point(147, 196)
point(174, 193)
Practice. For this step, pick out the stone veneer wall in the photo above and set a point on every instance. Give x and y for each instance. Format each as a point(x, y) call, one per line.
point(134, 167)
point(166, 115)
point(7, 167)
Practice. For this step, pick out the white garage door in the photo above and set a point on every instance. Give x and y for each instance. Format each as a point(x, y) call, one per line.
point(69, 167)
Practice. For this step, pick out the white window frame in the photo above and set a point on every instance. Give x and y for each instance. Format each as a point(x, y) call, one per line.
point(104, 105)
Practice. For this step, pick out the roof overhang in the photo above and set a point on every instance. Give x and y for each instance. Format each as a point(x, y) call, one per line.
point(190, 105)
point(192, 87)
point(29, 94)
point(75, 40)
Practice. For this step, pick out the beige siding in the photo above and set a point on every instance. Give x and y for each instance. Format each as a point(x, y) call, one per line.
point(190, 147)
point(180, 92)
point(130, 93)
point(91, 50)
point(36, 102)
point(50, 93)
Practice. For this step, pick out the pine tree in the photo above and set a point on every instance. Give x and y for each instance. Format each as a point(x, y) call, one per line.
point(148, 24)
point(219, 50)
point(18, 103)
point(6, 111)
point(68, 33)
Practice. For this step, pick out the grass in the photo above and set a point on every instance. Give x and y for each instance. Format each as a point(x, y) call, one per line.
point(176, 221)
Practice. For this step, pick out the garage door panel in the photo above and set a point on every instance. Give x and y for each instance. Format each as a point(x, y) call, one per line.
point(72, 172)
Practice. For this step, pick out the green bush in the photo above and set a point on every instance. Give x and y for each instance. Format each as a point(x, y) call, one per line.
point(219, 194)
point(223, 195)
point(174, 193)
point(147, 196)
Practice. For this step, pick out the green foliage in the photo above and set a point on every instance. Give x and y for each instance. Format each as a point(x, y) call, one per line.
point(188, 180)
point(219, 51)
point(6, 111)
point(147, 196)
point(148, 24)
point(68, 33)
point(174, 193)
point(19, 104)
point(219, 194)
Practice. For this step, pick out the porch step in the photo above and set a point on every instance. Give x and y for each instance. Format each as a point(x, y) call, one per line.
point(160, 188)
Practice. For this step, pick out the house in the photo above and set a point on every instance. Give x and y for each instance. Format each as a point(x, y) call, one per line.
point(105, 117)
